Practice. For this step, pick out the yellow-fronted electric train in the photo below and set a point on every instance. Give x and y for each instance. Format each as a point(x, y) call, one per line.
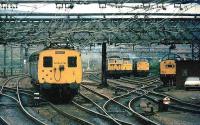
point(141, 67)
point(168, 69)
point(117, 67)
point(57, 69)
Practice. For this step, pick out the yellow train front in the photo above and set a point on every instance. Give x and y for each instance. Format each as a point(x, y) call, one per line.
point(56, 69)
point(117, 67)
point(141, 68)
point(168, 71)
point(127, 66)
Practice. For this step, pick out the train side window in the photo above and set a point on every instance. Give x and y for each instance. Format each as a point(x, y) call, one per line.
point(72, 61)
point(47, 61)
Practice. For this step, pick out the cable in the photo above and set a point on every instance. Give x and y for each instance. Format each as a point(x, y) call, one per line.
point(95, 32)
point(55, 75)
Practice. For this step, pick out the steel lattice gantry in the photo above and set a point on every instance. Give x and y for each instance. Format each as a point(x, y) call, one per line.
point(90, 30)
point(99, 1)
point(196, 50)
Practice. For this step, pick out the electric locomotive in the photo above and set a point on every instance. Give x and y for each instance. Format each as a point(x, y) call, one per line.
point(141, 67)
point(56, 69)
point(117, 67)
point(127, 66)
point(168, 69)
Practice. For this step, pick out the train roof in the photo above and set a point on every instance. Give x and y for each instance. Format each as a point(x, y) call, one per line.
point(114, 57)
point(36, 54)
point(126, 58)
point(140, 59)
point(171, 56)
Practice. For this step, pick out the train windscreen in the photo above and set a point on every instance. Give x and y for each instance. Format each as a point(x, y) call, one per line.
point(72, 61)
point(47, 61)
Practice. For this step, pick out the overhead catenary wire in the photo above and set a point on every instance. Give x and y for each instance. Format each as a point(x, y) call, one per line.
point(77, 29)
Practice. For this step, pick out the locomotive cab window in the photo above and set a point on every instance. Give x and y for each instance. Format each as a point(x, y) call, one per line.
point(170, 66)
point(47, 61)
point(72, 61)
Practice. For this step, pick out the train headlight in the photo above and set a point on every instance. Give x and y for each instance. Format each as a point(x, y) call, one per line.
point(25, 61)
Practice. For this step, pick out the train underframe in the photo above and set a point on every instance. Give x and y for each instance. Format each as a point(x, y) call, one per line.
point(168, 80)
point(53, 91)
point(118, 74)
point(141, 73)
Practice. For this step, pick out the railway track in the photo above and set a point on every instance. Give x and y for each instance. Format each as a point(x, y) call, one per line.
point(93, 118)
point(140, 78)
point(95, 110)
point(100, 110)
point(147, 91)
point(139, 81)
point(100, 103)
point(3, 121)
point(138, 118)
point(175, 103)
point(52, 107)
point(114, 85)
point(16, 99)
point(25, 110)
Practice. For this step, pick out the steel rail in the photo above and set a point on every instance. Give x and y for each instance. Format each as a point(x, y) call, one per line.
point(177, 107)
point(18, 100)
point(53, 106)
point(69, 115)
point(122, 88)
point(114, 119)
point(3, 121)
point(176, 99)
point(22, 107)
point(139, 116)
point(28, 92)
point(96, 113)
point(178, 104)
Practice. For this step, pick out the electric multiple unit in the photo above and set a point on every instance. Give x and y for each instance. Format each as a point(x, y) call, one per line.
point(56, 69)
point(117, 67)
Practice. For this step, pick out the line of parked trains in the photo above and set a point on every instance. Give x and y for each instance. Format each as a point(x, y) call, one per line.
point(61, 69)
point(117, 67)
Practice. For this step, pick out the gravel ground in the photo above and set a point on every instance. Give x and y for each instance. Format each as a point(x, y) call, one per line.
point(177, 118)
point(192, 96)
point(166, 118)
point(26, 83)
point(172, 117)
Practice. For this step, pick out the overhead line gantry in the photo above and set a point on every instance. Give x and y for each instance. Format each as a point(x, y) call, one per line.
point(99, 1)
